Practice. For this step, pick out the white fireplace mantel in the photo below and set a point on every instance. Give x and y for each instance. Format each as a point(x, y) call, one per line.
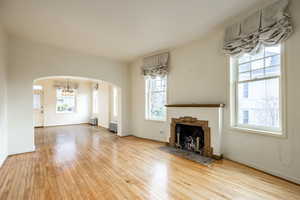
point(214, 116)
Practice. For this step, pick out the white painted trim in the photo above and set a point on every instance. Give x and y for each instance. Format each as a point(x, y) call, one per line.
point(256, 131)
point(157, 121)
point(26, 151)
point(2, 160)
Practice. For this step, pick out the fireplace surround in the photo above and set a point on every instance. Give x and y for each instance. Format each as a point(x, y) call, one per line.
point(198, 139)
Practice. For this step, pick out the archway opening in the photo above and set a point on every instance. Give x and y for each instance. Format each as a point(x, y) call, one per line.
point(69, 100)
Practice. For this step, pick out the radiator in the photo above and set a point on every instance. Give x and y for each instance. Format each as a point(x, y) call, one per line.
point(94, 121)
point(113, 127)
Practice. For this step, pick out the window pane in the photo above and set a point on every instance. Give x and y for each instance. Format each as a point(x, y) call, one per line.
point(95, 101)
point(258, 55)
point(156, 98)
point(261, 105)
point(271, 61)
point(158, 106)
point(36, 101)
point(244, 58)
point(257, 64)
point(244, 67)
point(257, 74)
point(244, 76)
point(37, 87)
point(115, 102)
point(65, 103)
point(274, 50)
point(272, 71)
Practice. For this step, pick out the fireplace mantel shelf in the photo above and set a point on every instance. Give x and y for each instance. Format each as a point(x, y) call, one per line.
point(197, 105)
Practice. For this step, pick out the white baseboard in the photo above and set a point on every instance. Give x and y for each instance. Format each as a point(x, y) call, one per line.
point(32, 149)
point(150, 138)
point(65, 124)
point(272, 172)
point(2, 160)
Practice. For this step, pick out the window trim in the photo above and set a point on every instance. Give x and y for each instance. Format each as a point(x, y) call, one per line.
point(147, 100)
point(282, 104)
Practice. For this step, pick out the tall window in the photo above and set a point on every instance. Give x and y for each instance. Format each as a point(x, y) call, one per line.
point(65, 103)
point(95, 101)
point(37, 101)
point(257, 90)
point(156, 98)
point(37, 90)
point(115, 102)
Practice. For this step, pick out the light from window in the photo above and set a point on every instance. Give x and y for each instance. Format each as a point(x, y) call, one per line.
point(37, 87)
point(65, 103)
point(257, 89)
point(115, 102)
point(95, 101)
point(37, 101)
point(156, 98)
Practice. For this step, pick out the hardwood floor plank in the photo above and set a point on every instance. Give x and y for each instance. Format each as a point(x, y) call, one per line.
point(83, 162)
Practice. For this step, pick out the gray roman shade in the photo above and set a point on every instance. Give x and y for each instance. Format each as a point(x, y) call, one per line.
point(156, 65)
point(269, 26)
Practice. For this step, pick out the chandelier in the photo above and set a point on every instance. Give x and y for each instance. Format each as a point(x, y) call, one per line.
point(67, 89)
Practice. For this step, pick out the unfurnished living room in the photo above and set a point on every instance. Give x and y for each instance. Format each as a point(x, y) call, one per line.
point(149, 100)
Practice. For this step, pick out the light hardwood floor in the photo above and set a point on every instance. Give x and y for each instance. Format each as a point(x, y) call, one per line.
point(81, 162)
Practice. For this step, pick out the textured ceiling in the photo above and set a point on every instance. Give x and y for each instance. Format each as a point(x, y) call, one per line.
point(118, 29)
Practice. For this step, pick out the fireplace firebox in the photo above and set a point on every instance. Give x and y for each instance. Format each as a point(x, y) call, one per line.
point(191, 134)
point(190, 138)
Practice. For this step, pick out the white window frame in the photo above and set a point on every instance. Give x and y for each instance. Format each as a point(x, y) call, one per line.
point(147, 100)
point(66, 112)
point(282, 102)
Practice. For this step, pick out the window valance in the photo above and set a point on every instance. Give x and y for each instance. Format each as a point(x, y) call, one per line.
point(156, 65)
point(269, 26)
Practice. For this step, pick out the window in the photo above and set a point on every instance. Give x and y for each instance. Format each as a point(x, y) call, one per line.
point(245, 116)
point(257, 90)
point(65, 103)
point(37, 91)
point(95, 101)
point(37, 87)
point(115, 102)
point(156, 98)
point(37, 101)
point(246, 90)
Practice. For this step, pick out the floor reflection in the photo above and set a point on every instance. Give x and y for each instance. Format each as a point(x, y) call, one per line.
point(159, 181)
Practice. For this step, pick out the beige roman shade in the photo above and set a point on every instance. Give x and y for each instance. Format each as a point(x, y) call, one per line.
point(156, 65)
point(269, 26)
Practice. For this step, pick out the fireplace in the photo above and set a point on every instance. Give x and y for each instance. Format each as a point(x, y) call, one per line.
point(190, 138)
point(191, 134)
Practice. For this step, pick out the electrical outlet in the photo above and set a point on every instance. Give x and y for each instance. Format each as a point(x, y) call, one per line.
point(161, 132)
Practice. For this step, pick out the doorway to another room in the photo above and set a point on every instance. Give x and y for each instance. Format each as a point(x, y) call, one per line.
point(59, 101)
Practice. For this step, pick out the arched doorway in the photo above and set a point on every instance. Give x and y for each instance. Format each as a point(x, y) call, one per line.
point(91, 99)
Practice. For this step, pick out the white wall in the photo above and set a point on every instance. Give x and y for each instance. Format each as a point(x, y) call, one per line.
point(82, 112)
point(3, 98)
point(200, 74)
point(28, 61)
